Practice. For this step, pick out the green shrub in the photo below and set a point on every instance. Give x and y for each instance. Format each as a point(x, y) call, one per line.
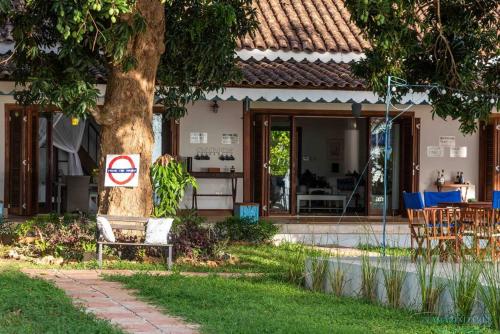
point(7, 232)
point(245, 229)
point(53, 235)
point(169, 179)
point(192, 239)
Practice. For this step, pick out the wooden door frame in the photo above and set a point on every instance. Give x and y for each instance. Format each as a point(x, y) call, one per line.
point(29, 153)
point(248, 142)
point(483, 151)
point(415, 160)
point(260, 158)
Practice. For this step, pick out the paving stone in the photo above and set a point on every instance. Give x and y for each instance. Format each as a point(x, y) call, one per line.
point(110, 301)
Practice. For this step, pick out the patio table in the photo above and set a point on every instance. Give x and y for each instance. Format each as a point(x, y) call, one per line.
point(466, 205)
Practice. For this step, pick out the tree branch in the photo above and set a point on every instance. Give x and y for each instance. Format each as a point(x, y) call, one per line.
point(453, 71)
point(5, 61)
point(100, 116)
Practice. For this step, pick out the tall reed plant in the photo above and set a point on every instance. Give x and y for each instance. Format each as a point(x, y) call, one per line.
point(489, 292)
point(319, 267)
point(464, 284)
point(337, 278)
point(368, 279)
point(295, 263)
point(394, 272)
point(430, 289)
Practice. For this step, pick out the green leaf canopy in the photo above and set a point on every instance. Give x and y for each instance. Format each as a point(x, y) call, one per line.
point(453, 43)
point(61, 44)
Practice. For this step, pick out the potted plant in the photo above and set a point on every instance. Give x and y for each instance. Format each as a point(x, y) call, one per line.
point(169, 178)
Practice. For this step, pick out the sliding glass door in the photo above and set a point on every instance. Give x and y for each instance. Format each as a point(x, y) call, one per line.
point(280, 153)
point(272, 163)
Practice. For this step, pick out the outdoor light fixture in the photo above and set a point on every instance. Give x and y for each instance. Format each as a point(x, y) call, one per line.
point(75, 121)
point(215, 107)
point(356, 109)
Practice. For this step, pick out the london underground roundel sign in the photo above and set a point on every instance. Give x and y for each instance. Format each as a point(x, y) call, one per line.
point(122, 170)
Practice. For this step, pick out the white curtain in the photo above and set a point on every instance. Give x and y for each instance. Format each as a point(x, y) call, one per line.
point(68, 137)
point(42, 131)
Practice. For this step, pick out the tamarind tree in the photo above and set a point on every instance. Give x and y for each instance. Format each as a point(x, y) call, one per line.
point(452, 43)
point(153, 51)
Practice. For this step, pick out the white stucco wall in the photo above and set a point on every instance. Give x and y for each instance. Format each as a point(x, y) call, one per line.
point(431, 130)
point(201, 118)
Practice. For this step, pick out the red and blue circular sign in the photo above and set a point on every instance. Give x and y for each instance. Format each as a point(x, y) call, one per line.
point(122, 170)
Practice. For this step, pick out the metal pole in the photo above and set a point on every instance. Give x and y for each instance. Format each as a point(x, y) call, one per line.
point(386, 144)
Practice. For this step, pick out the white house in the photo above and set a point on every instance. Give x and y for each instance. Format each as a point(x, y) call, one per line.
point(287, 130)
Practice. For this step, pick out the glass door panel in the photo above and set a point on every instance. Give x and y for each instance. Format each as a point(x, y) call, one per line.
point(280, 151)
point(45, 163)
point(377, 132)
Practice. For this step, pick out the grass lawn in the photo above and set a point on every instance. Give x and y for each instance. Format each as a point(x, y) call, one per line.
point(34, 306)
point(251, 258)
point(263, 305)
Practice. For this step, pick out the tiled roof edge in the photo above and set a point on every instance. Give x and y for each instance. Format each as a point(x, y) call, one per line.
point(338, 57)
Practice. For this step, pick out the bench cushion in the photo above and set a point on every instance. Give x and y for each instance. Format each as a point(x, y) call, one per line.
point(157, 230)
point(105, 229)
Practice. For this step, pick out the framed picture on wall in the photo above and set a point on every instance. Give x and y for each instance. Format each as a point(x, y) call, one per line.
point(335, 149)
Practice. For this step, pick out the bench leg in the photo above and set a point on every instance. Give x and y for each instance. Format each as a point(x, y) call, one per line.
point(99, 256)
point(169, 258)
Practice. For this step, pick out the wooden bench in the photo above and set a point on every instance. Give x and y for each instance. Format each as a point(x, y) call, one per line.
point(129, 224)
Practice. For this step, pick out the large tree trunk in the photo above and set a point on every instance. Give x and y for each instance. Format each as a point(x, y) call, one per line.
point(127, 115)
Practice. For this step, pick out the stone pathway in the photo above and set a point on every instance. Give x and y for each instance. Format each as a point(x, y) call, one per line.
point(110, 301)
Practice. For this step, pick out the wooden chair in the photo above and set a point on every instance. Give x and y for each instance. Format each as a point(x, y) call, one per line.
point(482, 232)
point(487, 230)
point(417, 220)
point(443, 228)
point(467, 230)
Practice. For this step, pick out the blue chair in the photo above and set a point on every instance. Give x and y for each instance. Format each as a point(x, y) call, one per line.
point(495, 203)
point(433, 198)
point(417, 221)
point(413, 201)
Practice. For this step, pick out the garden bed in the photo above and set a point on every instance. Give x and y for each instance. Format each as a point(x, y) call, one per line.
point(456, 292)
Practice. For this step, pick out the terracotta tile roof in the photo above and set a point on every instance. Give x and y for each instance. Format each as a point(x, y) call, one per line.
point(263, 73)
point(293, 74)
point(304, 25)
point(291, 25)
